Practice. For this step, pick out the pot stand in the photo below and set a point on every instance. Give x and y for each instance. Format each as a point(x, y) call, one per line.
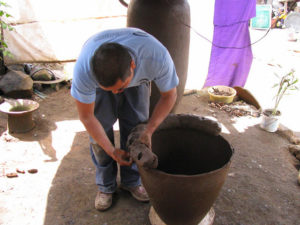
point(207, 220)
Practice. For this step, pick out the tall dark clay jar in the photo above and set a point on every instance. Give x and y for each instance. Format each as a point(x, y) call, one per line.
point(168, 21)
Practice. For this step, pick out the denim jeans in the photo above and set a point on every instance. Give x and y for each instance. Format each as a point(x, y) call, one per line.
point(131, 107)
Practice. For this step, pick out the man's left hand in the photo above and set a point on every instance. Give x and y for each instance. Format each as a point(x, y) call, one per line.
point(145, 138)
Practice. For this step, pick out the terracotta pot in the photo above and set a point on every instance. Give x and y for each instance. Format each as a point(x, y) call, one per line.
point(192, 167)
point(169, 22)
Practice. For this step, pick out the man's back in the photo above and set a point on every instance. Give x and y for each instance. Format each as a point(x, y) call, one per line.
point(153, 62)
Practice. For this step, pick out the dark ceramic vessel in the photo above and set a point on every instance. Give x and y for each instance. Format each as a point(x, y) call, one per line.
point(168, 21)
point(192, 168)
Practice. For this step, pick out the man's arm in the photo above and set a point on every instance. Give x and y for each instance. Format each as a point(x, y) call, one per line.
point(96, 131)
point(160, 112)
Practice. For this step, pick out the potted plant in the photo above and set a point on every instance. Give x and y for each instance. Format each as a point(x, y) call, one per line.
point(270, 117)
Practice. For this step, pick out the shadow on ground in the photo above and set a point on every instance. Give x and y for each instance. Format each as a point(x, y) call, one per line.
point(71, 197)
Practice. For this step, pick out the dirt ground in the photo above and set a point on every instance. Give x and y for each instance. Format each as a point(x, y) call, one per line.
point(261, 187)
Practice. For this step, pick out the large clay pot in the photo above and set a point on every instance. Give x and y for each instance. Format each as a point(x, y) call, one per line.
point(168, 21)
point(193, 163)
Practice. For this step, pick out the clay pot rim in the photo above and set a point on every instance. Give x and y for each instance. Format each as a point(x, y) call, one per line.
point(10, 103)
point(190, 176)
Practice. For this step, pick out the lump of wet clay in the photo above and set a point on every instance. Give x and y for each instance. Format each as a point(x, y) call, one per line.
point(32, 170)
point(141, 154)
point(12, 175)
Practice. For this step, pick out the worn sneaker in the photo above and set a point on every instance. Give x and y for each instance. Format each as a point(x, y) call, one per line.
point(138, 192)
point(103, 200)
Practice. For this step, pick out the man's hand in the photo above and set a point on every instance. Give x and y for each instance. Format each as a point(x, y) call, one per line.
point(122, 157)
point(95, 129)
point(145, 138)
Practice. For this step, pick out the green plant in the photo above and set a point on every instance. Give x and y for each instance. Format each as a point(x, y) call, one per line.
point(287, 83)
point(4, 26)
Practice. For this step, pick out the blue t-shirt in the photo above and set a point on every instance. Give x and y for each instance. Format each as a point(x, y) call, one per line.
point(152, 59)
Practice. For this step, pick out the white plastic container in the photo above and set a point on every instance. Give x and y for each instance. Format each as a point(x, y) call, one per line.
point(270, 122)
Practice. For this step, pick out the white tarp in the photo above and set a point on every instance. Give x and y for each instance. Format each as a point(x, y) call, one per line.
point(55, 30)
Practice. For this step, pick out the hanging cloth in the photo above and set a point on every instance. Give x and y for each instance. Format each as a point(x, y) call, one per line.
point(231, 54)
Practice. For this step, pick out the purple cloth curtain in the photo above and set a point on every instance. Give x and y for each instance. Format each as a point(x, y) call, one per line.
point(231, 54)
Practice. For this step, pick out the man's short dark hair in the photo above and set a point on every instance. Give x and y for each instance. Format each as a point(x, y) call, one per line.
point(110, 62)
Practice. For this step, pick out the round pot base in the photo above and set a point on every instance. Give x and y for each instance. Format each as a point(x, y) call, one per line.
point(155, 219)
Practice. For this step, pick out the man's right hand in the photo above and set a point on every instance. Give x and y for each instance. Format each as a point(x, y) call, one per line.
point(122, 157)
point(96, 131)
